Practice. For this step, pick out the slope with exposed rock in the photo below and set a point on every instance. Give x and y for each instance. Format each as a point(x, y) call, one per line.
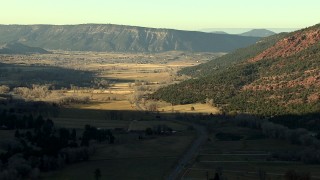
point(290, 45)
point(238, 55)
point(278, 79)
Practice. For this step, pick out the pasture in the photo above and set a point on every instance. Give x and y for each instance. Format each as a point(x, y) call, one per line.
point(130, 157)
point(243, 153)
point(117, 104)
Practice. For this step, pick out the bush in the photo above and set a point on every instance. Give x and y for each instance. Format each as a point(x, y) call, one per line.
point(4, 89)
point(73, 99)
point(37, 91)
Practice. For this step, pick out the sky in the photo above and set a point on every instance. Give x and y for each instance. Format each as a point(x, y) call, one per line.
point(173, 14)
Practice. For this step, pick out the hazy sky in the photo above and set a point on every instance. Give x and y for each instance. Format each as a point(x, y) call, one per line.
point(177, 14)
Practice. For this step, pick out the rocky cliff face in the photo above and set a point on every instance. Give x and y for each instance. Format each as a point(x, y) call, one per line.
point(95, 37)
point(290, 45)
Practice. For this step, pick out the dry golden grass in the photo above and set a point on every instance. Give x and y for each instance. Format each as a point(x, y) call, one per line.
point(132, 76)
point(198, 108)
point(122, 70)
point(165, 107)
point(112, 105)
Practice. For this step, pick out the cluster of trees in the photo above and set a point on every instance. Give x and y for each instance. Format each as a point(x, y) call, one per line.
point(35, 92)
point(307, 121)
point(40, 146)
point(137, 95)
point(43, 92)
point(309, 154)
point(10, 120)
point(92, 133)
point(66, 100)
point(295, 136)
point(18, 167)
point(4, 89)
point(152, 106)
point(158, 130)
point(100, 83)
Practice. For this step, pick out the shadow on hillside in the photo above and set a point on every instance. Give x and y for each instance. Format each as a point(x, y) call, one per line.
point(19, 75)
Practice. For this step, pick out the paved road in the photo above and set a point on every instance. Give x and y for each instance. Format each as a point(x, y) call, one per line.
point(191, 152)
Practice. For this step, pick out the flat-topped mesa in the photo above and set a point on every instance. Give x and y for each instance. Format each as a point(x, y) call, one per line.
point(290, 46)
point(120, 38)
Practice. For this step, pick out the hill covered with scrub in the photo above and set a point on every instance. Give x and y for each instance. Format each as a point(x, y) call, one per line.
point(278, 75)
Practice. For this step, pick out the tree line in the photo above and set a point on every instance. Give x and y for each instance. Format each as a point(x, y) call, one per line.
point(310, 153)
point(40, 146)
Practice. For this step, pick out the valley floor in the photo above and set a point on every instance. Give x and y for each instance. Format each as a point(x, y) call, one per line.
point(119, 105)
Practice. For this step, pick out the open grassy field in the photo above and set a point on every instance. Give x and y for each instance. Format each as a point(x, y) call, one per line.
point(126, 74)
point(144, 159)
point(130, 120)
point(161, 107)
point(188, 108)
point(134, 168)
point(113, 105)
point(118, 105)
point(240, 153)
point(129, 157)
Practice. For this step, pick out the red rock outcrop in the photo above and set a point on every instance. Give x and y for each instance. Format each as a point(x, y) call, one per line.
point(290, 46)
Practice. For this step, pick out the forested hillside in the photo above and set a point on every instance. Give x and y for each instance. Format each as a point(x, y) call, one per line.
point(232, 58)
point(274, 78)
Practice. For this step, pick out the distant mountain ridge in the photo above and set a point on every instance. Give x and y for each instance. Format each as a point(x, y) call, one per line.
point(108, 37)
point(258, 33)
point(251, 33)
point(18, 48)
point(218, 32)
